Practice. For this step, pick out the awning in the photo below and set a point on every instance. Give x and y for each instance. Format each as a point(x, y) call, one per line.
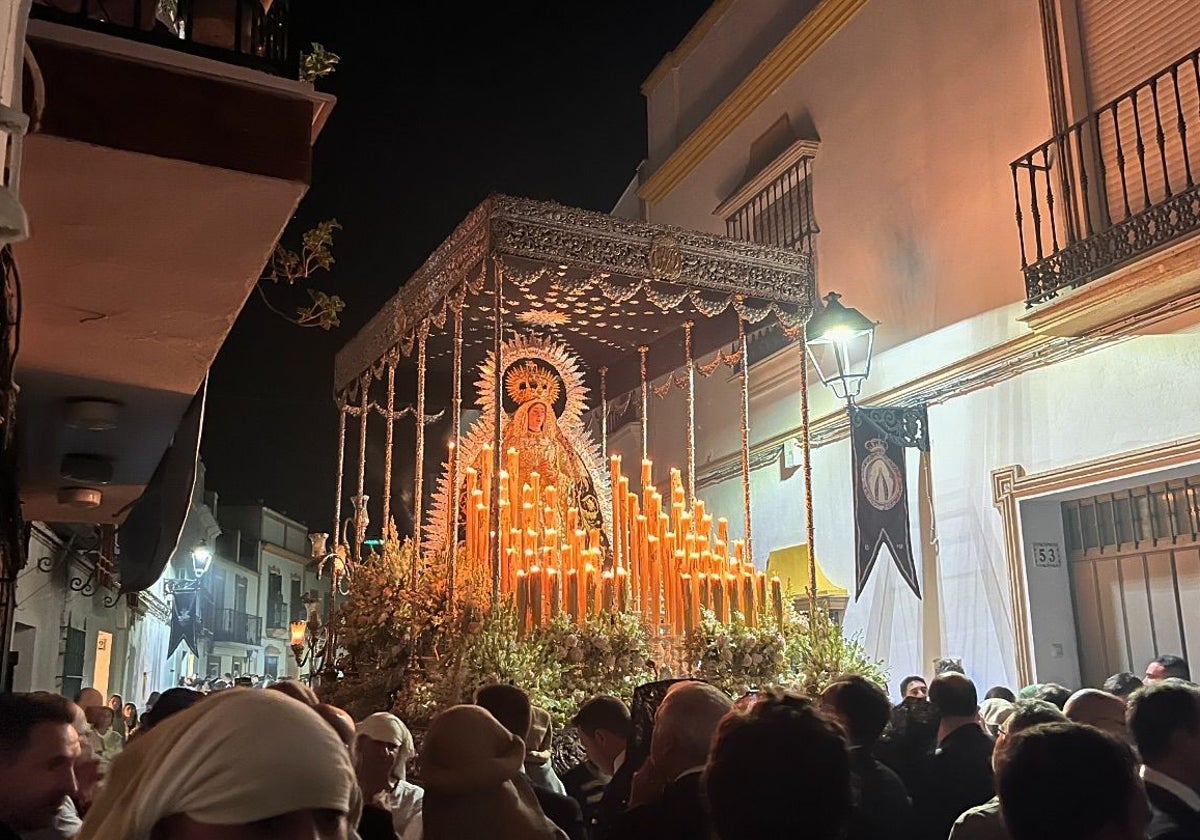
point(150, 534)
point(792, 566)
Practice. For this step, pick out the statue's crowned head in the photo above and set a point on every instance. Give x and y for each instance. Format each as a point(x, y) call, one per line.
point(530, 381)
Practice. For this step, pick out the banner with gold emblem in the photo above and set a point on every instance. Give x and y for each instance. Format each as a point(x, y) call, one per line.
point(879, 438)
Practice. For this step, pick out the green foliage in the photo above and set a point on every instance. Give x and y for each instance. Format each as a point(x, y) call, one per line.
point(404, 646)
point(318, 63)
point(288, 267)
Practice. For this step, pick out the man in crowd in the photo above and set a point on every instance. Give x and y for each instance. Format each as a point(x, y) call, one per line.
point(958, 775)
point(986, 821)
point(510, 706)
point(914, 687)
point(1167, 666)
point(605, 730)
point(1099, 709)
point(779, 770)
point(1164, 719)
point(862, 708)
point(38, 749)
point(1122, 684)
point(1070, 782)
point(683, 731)
point(383, 746)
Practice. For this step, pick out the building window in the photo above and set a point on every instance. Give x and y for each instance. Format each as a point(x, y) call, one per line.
point(781, 213)
point(214, 668)
point(73, 656)
point(276, 612)
point(239, 593)
point(271, 665)
point(299, 612)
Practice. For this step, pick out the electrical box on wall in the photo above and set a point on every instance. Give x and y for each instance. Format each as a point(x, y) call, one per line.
point(793, 453)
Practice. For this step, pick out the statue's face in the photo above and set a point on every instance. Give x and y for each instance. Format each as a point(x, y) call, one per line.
point(536, 417)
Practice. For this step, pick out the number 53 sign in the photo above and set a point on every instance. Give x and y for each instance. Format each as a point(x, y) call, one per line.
point(1047, 555)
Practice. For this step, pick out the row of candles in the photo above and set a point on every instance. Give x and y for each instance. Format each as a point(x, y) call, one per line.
point(664, 560)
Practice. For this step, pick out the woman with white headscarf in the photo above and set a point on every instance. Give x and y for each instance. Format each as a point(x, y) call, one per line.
point(243, 764)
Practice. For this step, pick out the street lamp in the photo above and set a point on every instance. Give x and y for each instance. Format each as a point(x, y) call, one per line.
point(201, 560)
point(840, 341)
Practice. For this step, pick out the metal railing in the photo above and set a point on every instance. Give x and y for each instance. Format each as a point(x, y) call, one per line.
point(781, 213)
point(253, 33)
point(237, 626)
point(1114, 186)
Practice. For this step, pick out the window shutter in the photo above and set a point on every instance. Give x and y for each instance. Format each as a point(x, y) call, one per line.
point(1125, 42)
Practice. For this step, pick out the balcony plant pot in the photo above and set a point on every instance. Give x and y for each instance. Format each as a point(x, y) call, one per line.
point(116, 12)
point(214, 23)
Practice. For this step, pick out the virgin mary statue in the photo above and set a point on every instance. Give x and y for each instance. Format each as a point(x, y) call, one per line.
point(545, 385)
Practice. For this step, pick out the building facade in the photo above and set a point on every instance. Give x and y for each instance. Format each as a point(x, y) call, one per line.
point(206, 137)
point(1008, 189)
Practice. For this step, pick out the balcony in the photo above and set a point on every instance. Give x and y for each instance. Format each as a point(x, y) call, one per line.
point(238, 627)
point(251, 33)
point(1114, 187)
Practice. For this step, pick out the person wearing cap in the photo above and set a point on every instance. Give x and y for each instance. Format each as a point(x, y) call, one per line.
point(383, 746)
point(474, 785)
point(242, 764)
point(992, 714)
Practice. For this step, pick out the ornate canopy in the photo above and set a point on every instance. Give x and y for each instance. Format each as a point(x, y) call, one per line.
point(603, 284)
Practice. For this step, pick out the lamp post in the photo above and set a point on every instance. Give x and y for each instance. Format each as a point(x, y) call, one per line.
point(840, 342)
point(201, 560)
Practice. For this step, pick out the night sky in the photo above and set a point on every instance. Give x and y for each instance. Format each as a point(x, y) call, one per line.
point(439, 104)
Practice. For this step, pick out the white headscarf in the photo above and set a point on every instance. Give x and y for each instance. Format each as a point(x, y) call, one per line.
point(232, 759)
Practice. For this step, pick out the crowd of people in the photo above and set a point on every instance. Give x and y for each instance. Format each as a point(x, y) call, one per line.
point(684, 760)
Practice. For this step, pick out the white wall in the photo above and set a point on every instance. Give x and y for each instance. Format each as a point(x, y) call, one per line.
point(1052, 619)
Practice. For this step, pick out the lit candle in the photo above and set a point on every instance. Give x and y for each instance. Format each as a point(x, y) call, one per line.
point(777, 601)
point(653, 595)
point(748, 599)
point(716, 583)
point(609, 590)
point(589, 574)
point(702, 586)
point(535, 498)
point(760, 581)
point(556, 593)
point(535, 595)
point(723, 530)
point(522, 601)
point(622, 584)
point(573, 595)
point(689, 621)
point(647, 481)
point(731, 594)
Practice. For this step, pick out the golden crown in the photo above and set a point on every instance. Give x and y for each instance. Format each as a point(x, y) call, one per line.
point(531, 381)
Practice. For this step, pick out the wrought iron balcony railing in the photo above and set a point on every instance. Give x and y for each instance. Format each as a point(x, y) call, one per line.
point(237, 626)
point(1117, 185)
point(253, 33)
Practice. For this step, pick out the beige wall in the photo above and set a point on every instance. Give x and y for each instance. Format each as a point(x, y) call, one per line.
point(920, 105)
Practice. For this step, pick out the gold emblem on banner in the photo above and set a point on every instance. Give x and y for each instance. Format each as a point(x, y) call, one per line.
point(882, 481)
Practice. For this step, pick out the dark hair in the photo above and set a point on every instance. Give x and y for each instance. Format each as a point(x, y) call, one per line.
point(779, 770)
point(1065, 780)
point(169, 702)
point(907, 681)
point(509, 705)
point(864, 707)
point(604, 712)
point(1053, 693)
point(1158, 711)
point(1174, 666)
point(999, 692)
point(1122, 684)
point(133, 718)
point(20, 713)
point(954, 695)
point(1029, 712)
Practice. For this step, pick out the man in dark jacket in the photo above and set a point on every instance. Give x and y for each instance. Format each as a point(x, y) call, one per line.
point(606, 733)
point(38, 749)
point(1164, 719)
point(684, 726)
point(883, 808)
point(510, 705)
point(958, 775)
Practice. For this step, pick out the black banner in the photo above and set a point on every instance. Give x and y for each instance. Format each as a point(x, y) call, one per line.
point(879, 437)
point(185, 621)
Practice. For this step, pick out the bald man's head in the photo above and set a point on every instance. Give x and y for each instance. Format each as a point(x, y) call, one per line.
point(954, 695)
point(340, 720)
point(684, 726)
point(1099, 709)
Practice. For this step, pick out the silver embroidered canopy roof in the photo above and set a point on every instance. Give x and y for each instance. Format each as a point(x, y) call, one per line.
point(604, 285)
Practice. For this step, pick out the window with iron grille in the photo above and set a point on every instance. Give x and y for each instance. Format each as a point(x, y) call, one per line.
point(781, 212)
point(73, 656)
